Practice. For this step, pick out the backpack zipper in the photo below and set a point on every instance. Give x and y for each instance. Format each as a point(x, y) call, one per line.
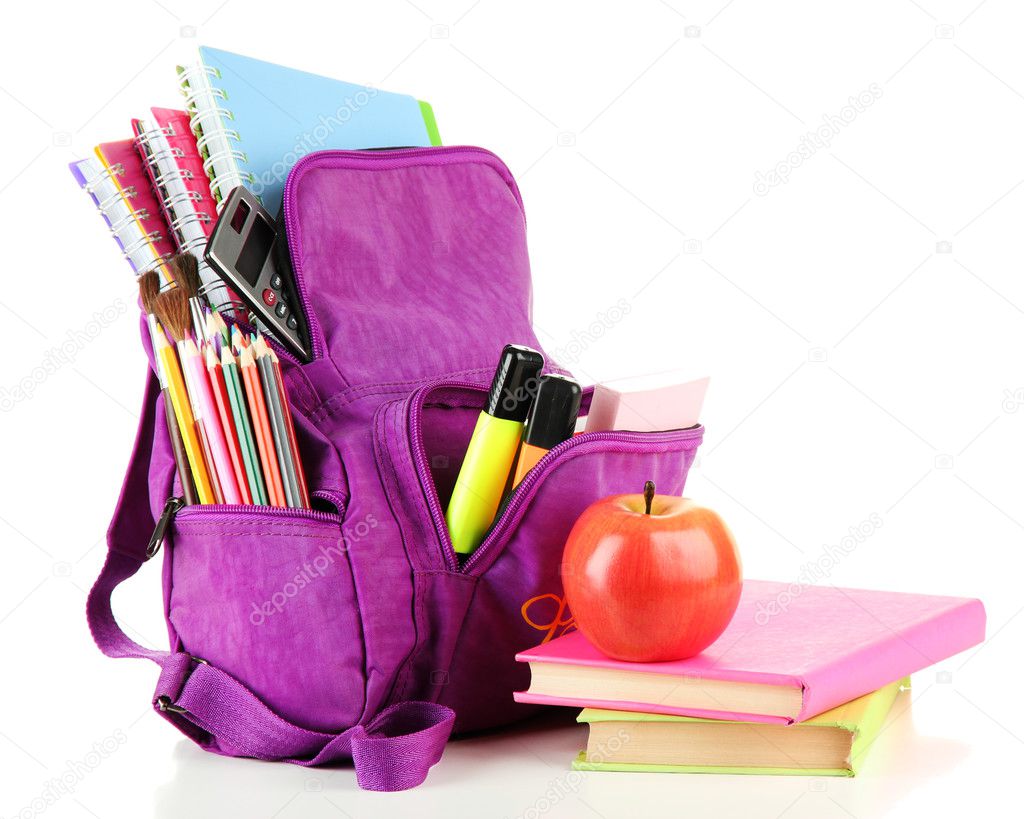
point(156, 540)
point(632, 442)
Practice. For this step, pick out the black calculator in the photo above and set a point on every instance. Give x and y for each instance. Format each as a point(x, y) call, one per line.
point(246, 249)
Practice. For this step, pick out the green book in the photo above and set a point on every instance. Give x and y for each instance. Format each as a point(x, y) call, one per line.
point(831, 744)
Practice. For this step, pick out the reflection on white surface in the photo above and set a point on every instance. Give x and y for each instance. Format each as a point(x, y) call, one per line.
point(524, 772)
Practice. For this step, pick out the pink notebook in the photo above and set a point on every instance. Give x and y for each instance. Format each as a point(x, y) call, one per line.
point(785, 656)
point(168, 149)
point(132, 178)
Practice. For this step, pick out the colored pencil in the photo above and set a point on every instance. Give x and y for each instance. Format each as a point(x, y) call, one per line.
point(272, 398)
point(216, 328)
point(227, 422)
point(199, 382)
point(164, 352)
point(188, 487)
point(204, 445)
point(298, 473)
point(246, 436)
point(172, 309)
point(261, 426)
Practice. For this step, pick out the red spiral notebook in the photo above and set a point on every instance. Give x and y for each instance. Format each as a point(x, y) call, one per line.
point(785, 656)
point(171, 157)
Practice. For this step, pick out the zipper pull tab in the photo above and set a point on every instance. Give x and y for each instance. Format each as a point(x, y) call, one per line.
point(171, 508)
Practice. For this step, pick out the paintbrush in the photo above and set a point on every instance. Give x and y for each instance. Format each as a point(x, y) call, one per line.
point(186, 275)
point(149, 289)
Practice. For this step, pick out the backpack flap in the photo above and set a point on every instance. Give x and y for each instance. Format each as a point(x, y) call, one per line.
point(411, 263)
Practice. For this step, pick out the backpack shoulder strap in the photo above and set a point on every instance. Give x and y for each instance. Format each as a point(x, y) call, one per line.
point(394, 751)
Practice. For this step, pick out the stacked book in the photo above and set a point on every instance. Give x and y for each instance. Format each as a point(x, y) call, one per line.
point(800, 682)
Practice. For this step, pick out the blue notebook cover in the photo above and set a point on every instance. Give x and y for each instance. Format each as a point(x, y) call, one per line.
point(281, 114)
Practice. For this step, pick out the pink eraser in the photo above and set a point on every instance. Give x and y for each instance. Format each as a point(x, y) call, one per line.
point(649, 403)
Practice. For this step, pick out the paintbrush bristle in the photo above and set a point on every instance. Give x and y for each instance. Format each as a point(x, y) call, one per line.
point(149, 289)
point(186, 273)
point(173, 312)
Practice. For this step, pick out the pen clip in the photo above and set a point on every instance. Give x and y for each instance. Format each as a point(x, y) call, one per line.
point(171, 508)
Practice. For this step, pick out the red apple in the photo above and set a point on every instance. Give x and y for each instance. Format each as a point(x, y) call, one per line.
point(651, 577)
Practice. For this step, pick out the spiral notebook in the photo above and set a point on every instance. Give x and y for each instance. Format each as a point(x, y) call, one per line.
point(155, 197)
point(255, 119)
point(175, 169)
point(119, 186)
point(99, 183)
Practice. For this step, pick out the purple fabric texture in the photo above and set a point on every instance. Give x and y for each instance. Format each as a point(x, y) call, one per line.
point(351, 631)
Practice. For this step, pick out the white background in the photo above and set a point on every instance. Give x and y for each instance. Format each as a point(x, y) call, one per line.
point(862, 322)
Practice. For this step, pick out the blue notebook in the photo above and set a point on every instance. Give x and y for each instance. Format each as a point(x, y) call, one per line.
point(254, 120)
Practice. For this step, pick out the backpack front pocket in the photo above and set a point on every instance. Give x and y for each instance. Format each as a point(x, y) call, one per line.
point(267, 595)
point(512, 596)
point(425, 436)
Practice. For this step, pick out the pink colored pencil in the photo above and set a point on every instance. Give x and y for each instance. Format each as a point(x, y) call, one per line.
point(227, 422)
point(200, 382)
point(261, 427)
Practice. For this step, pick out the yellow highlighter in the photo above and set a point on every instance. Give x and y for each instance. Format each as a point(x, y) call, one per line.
point(492, 449)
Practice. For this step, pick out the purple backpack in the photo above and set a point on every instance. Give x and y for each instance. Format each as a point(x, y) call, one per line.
point(351, 631)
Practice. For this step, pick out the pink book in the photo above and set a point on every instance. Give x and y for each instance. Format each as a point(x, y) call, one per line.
point(789, 654)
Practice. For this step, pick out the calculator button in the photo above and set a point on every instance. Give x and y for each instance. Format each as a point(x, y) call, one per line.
point(281, 310)
point(292, 323)
point(269, 297)
point(276, 282)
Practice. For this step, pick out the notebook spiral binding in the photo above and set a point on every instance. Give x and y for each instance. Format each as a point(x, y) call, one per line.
point(206, 114)
point(141, 242)
point(229, 305)
point(204, 140)
point(102, 178)
point(118, 223)
point(161, 179)
point(121, 193)
point(183, 205)
point(127, 219)
point(186, 219)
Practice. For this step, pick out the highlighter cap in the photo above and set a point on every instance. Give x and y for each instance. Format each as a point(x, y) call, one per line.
point(552, 417)
point(514, 384)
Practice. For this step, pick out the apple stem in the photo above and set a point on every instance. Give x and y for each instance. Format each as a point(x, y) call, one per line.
point(648, 496)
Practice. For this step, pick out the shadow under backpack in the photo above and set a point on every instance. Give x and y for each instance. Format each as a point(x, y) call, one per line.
point(351, 631)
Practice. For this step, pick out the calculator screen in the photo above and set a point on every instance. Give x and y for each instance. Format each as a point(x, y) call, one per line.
point(255, 250)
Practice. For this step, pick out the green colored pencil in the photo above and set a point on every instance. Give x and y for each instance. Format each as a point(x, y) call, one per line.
point(253, 470)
